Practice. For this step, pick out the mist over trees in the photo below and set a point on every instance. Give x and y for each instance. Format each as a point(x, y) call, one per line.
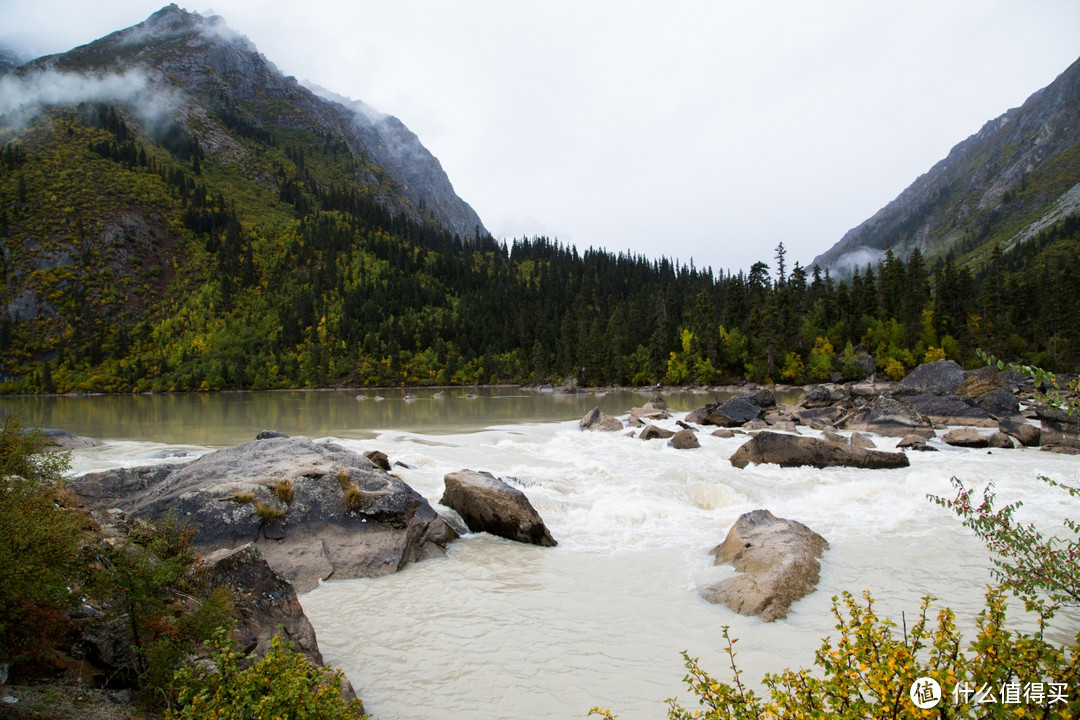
point(289, 275)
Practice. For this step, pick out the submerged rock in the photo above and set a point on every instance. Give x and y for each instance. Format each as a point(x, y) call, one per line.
point(779, 562)
point(798, 450)
point(487, 504)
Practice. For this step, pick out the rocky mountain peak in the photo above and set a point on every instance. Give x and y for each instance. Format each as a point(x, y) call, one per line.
point(1018, 174)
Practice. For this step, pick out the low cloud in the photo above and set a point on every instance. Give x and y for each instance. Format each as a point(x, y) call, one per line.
point(22, 97)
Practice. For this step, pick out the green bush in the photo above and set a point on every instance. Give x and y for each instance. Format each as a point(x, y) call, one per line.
point(39, 546)
point(871, 671)
point(281, 684)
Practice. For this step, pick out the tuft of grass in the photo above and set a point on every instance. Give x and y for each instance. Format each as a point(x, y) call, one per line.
point(243, 496)
point(268, 513)
point(344, 481)
point(283, 491)
point(354, 499)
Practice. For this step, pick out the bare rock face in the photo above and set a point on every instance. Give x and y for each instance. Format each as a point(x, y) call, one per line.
point(267, 602)
point(315, 510)
point(487, 504)
point(595, 419)
point(779, 562)
point(797, 450)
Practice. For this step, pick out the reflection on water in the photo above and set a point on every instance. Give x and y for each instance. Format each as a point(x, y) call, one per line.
point(218, 419)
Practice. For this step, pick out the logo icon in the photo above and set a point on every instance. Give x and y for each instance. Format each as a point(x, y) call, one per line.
point(925, 693)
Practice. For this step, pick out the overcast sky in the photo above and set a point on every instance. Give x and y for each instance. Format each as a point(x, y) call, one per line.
point(710, 130)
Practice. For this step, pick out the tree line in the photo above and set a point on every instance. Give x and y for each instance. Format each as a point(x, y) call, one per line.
point(323, 284)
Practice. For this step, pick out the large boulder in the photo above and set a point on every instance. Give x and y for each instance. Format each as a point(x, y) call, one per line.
point(779, 562)
point(818, 417)
point(315, 510)
point(595, 419)
point(267, 603)
point(950, 410)
point(1025, 433)
point(487, 504)
point(941, 377)
point(886, 416)
point(1060, 429)
point(798, 450)
point(998, 403)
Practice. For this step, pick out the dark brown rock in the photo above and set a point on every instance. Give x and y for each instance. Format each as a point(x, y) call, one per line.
point(796, 450)
point(487, 504)
point(651, 432)
point(597, 420)
point(1025, 433)
point(779, 562)
point(684, 440)
point(966, 437)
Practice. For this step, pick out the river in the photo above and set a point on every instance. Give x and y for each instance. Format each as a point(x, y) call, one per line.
point(501, 630)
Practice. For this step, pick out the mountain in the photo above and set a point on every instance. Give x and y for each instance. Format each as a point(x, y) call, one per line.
point(1018, 175)
point(203, 68)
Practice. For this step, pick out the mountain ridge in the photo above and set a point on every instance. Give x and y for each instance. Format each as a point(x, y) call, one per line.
point(218, 66)
point(1017, 174)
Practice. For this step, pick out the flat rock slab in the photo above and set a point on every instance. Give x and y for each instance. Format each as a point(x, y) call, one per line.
point(779, 562)
point(798, 450)
point(343, 517)
point(488, 504)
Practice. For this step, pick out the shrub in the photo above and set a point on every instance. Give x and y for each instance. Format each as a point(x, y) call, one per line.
point(39, 546)
point(871, 672)
point(281, 684)
point(894, 369)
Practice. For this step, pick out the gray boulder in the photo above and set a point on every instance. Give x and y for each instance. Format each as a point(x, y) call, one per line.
point(1060, 429)
point(314, 510)
point(818, 418)
point(764, 399)
point(267, 603)
point(734, 413)
point(886, 416)
point(816, 396)
point(1024, 432)
point(487, 504)
point(779, 562)
point(950, 410)
point(599, 421)
point(941, 377)
point(63, 440)
point(998, 403)
point(797, 450)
